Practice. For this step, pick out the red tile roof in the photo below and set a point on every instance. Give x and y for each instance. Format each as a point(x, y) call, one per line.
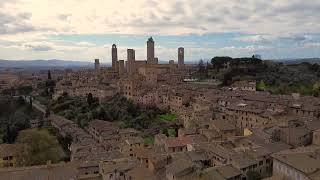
point(179, 141)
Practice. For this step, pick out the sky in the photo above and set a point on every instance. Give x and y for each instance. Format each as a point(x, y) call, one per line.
point(85, 29)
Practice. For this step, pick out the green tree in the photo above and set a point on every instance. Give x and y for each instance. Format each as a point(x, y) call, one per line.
point(316, 89)
point(90, 98)
point(261, 86)
point(14, 117)
point(24, 90)
point(253, 175)
point(220, 62)
point(39, 147)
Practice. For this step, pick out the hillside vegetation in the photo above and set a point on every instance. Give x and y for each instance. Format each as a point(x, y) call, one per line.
point(271, 76)
point(117, 109)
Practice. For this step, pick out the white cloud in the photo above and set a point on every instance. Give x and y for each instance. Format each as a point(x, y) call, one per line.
point(168, 17)
point(257, 38)
point(29, 23)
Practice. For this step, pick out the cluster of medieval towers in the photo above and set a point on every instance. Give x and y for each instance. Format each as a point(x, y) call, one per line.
point(128, 66)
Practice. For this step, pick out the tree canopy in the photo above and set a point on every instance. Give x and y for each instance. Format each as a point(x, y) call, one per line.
point(39, 147)
point(24, 90)
point(15, 115)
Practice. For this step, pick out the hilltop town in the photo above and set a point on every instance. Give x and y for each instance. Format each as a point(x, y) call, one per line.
point(141, 119)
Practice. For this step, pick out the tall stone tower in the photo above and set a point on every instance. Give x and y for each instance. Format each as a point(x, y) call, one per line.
point(114, 54)
point(131, 61)
point(121, 67)
point(150, 51)
point(181, 57)
point(97, 65)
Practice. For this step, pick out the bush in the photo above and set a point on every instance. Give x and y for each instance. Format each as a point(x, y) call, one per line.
point(149, 140)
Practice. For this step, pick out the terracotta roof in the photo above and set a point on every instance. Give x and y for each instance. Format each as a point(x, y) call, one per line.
point(179, 141)
point(141, 173)
point(180, 167)
point(306, 162)
point(228, 171)
point(52, 172)
point(101, 126)
point(122, 164)
point(9, 149)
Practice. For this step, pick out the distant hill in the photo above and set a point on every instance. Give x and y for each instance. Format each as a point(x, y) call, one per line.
point(42, 63)
point(298, 61)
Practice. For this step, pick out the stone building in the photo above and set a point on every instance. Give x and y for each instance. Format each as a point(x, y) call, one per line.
point(178, 144)
point(245, 85)
point(301, 163)
point(100, 130)
point(294, 133)
point(8, 154)
point(129, 144)
point(316, 137)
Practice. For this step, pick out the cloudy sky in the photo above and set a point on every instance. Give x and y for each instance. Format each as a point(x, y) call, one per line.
point(86, 29)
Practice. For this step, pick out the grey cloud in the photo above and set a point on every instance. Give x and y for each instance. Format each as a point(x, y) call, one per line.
point(4, 2)
point(38, 47)
point(15, 24)
point(25, 16)
point(214, 19)
point(296, 12)
point(300, 6)
point(166, 18)
point(298, 39)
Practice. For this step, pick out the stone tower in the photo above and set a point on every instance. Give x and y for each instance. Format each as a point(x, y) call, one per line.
point(181, 57)
point(114, 54)
point(150, 51)
point(121, 67)
point(131, 61)
point(97, 65)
